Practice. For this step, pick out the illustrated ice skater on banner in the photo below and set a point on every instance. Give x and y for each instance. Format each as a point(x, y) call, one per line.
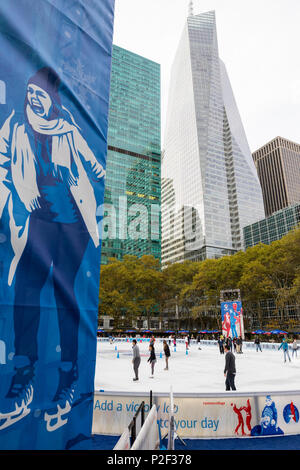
point(232, 319)
point(46, 174)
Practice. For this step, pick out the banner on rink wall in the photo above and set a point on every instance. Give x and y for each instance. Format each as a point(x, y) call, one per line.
point(201, 416)
point(54, 95)
point(232, 319)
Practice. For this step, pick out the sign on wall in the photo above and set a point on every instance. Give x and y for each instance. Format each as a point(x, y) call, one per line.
point(200, 416)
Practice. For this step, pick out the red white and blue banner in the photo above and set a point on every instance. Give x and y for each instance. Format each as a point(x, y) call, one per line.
point(54, 96)
point(204, 415)
point(232, 319)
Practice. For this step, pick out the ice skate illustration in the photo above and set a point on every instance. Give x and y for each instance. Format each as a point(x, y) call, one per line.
point(18, 398)
point(57, 416)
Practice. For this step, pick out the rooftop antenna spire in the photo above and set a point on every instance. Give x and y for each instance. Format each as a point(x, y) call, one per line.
point(191, 8)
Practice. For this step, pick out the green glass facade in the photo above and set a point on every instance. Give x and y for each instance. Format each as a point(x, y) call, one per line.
point(131, 223)
point(272, 228)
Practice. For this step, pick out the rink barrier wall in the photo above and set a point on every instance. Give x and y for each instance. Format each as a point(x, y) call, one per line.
point(204, 342)
point(203, 415)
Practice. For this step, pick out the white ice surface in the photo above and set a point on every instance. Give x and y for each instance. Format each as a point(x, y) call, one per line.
point(200, 371)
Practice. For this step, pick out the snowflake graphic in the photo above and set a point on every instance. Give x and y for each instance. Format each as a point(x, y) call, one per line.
point(83, 82)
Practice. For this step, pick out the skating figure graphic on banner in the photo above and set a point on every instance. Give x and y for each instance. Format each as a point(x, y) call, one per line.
point(269, 424)
point(226, 325)
point(232, 319)
point(238, 412)
point(46, 169)
point(240, 416)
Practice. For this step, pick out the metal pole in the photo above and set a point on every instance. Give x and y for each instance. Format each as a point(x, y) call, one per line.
point(133, 431)
point(143, 413)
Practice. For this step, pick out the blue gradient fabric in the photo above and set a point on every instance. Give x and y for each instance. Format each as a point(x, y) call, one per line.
point(54, 99)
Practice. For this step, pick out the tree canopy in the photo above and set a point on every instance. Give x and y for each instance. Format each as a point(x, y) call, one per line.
point(137, 288)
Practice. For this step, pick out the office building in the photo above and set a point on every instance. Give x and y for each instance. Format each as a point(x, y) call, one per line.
point(272, 228)
point(210, 187)
point(131, 223)
point(278, 168)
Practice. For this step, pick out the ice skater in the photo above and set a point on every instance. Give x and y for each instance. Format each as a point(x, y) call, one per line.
point(230, 370)
point(294, 348)
point(152, 360)
point(167, 354)
point(285, 347)
point(136, 359)
point(257, 344)
point(221, 344)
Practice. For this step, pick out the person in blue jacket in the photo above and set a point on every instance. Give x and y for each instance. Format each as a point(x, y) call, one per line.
point(285, 347)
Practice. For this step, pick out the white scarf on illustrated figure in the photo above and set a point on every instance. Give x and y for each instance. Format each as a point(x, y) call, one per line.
point(67, 146)
point(24, 160)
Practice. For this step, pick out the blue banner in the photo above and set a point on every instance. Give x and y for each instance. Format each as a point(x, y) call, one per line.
point(232, 319)
point(54, 96)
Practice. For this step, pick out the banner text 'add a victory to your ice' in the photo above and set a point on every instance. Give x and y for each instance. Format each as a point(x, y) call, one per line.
point(55, 61)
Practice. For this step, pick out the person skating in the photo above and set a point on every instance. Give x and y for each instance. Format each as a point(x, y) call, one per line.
point(241, 345)
point(257, 344)
point(221, 345)
point(229, 370)
point(152, 359)
point(294, 348)
point(228, 342)
point(136, 359)
point(167, 354)
point(285, 347)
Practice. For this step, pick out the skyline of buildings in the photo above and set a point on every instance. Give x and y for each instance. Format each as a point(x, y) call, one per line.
point(210, 187)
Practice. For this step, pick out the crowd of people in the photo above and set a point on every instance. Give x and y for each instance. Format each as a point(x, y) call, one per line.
point(152, 357)
point(227, 346)
point(232, 343)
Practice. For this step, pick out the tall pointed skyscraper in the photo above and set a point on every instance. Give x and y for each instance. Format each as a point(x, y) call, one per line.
point(210, 187)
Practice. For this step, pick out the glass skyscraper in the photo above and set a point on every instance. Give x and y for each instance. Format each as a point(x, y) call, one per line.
point(272, 228)
point(210, 187)
point(131, 223)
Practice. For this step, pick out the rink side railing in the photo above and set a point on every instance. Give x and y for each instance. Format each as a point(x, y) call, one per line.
point(204, 342)
point(203, 415)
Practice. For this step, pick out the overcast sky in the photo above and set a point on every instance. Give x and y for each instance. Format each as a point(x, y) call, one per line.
point(259, 41)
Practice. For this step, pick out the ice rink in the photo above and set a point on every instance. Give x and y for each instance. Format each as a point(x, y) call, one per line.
point(199, 371)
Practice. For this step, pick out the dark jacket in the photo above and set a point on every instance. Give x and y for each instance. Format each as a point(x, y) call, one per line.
point(229, 363)
point(152, 356)
point(167, 350)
